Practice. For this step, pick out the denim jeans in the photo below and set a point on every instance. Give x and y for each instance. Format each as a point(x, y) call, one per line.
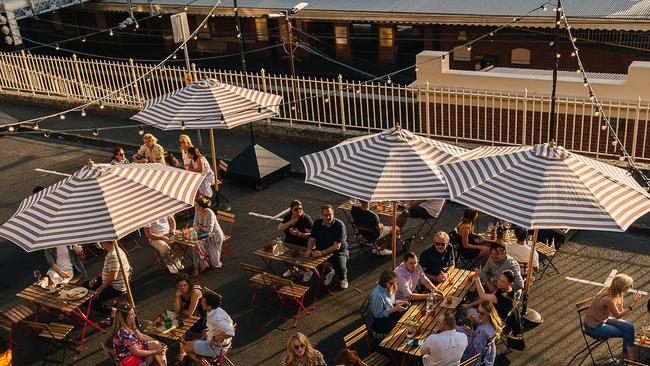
point(340, 263)
point(614, 328)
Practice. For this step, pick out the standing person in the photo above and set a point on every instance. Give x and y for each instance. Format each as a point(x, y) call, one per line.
point(150, 151)
point(220, 330)
point(110, 284)
point(300, 352)
point(328, 236)
point(482, 338)
point(296, 226)
point(520, 250)
point(132, 347)
point(200, 165)
point(64, 261)
point(185, 142)
point(386, 311)
point(159, 234)
point(438, 260)
point(119, 156)
point(470, 242)
point(409, 276)
point(206, 224)
point(370, 227)
point(445, 348)
point(603, 319)
point(187, 301)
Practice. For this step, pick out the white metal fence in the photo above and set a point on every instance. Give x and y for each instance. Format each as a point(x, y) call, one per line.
point(460, 115)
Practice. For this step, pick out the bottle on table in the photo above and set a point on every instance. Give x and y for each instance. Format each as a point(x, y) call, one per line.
point(430, 302)
point(167, 320)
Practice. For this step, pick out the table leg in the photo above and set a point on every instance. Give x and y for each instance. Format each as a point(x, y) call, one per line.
point(320, 274)
point(87, 321)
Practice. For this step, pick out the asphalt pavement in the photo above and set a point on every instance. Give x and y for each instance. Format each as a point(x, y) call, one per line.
point(261, 339)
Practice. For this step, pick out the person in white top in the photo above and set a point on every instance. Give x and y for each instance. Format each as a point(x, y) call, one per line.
point(186, 143)
point(208, 229)
point(159, 234)
point(201, 165)
point(445, 348)
point(62, 270)
point(424, 210)
point(520, 250)
point(219, 333)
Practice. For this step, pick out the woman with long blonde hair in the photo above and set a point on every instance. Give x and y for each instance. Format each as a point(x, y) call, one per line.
point(300, 352)
point(482, 338)
point(603, 318)
point(185, 143)
point(132, 347)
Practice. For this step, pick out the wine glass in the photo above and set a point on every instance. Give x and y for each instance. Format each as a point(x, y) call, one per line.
point(506, 224)
point(37, 275)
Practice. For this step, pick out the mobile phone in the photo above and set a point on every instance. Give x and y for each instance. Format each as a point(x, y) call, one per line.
point(406, 305)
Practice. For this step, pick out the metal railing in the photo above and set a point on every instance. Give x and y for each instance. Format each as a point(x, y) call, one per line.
point(459, 115)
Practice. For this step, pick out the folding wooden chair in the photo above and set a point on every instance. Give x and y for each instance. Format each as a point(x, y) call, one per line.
point(546, 256)
point(258, 283)
point(633, 363)
point(471, 361)
point(374, 358)
point(226, 221)
point(56, 335)
point(363, 237)
point(581, 307)
point(13, 317)
point(429, 225)
point(367, 318)
point(286, 291)
point(221, 357)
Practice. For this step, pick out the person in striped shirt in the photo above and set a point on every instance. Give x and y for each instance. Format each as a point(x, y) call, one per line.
point(110, 283)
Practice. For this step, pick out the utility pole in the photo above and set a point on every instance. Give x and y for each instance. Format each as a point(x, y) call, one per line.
point(242, 57)
point(292, 65)
point(556, 60)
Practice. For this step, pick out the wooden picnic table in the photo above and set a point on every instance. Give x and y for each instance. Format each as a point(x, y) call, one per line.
point(294, 255)
point(176, 334)
point(42, 298)
point(380, 208)
point(427, 323)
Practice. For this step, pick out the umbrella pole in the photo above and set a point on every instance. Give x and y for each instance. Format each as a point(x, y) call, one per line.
point(214, 160)
point(126, 279)
point(394, 236)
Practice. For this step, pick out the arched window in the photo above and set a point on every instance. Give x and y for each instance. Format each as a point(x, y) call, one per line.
point(520, 56)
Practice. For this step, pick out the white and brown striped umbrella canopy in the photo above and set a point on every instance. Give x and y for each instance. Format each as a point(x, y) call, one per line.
point(391, 165)
point(100, 203)
point(546, 187)
point(208, 104)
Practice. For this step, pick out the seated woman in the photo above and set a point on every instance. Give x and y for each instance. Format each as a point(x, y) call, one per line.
point(205, 223)
point(150, 151)
point(300, 352)
point(64, 262)
point(132, 347)
point(503, 299)
point(296, 226)
point(482, 338)
point(381, 301)
point(470, 243)
point(187, 299)
point(201, 165)
point(603, 318)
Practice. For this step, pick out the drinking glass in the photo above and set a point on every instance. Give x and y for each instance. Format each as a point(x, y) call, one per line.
point(506, 224)
point(37, 275)
point(430, 306)
point(410, 332)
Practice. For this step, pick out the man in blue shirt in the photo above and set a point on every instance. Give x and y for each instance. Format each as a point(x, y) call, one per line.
point(386, 311)
point(328, 236)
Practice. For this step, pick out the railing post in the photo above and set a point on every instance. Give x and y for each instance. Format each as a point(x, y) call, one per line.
point(636, 127)
point(23, 58)
point(77, 73)
point(341, 104)
point(264, 89)
point(523, 123)
point(194, 73)
point(134, 79)
point(428, 118)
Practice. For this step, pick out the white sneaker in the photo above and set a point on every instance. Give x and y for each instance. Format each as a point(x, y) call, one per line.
point(306, 276)
point(385, 252)
point(287, 273)
point(344, 284)
point(171, 268)
point(329, 276)
point(179, 265)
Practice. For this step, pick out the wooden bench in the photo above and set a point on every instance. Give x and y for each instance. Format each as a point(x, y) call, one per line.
point(471, 361)
point(226, 221)
point(374, 358)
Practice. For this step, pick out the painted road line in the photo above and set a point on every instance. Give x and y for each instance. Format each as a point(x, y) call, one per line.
point(587, 282)
point(52, 172)
point(264, 216)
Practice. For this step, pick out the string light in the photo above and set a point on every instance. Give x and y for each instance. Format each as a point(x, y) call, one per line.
point(101, 105)
point(57, 47)
point(83, 40)
point(621, 158)
point(36, 127)
point(259, 110)
point(558, 55)
point(443, 57)
point(603, 127)
point(83, 113)
point(196, 37)
point(137, 26)
point(573, 54)
point(141, 131)
point(11, 129)
point(95, 132)
point(174, 56)
point(110, 33)
point(597, 113)
point(326, 99)
point(614, 142)
point(388, 80)
point(469, 47)
point(185, 8)
point(62, 116)
point(417, 69)
point(46, 133)
point(183, 125)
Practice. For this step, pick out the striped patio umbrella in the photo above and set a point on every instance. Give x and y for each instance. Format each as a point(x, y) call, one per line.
point(546, 187)
point(208, 104)
point(100, 203)
point(388, 166)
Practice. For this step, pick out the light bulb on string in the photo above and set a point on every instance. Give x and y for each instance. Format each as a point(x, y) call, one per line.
point(83, 40)
point(573, 54)
point(614, 143)
point(544, 8)
point(62, 116)
point(196, 37)
point(326, 99)
point(559, 9)
point(137, 26)
point(293, 106)
point(46, 133)
point(551, 43)
point(388, 80)
point(205, 26)
point(597, 112)
point(159, 16)
point(95, 132)
point(417, 69)
point(57, 47)
point(603, 127)
point(36, 126)
point(557, 23)
point(185, 8)
point(213, 15)
point(491, 34)
point(110, 33)
point(621, 158)
point(259, 110)
point(585, 83)
point(174, 56)
point(101, 105)
point(443, 57)
point(558, 55)
point(183, 125)
point(574, 39)
point(358, 91)
point(469, 47)
point(11, 128)
point(141, 131)
point(83, 113)
point(591, 96)
point(578, 71)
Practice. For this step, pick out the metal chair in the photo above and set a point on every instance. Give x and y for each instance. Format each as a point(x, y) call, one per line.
point(581, 307)
point(429, 225)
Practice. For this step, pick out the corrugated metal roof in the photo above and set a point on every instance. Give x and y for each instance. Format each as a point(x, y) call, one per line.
point(562, 74)
point(589, 9)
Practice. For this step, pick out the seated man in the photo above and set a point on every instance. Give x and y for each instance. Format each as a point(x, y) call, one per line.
point(386, 311)
point(424, 210)
point(445, 348)
point(409, 276)
point(438, 260)
point(218, 335)
point(64, 262)
point(520, 250)
point(499, 261)
point(370, 226)
point(159, 234)
point(328, 236)
point(110, 284)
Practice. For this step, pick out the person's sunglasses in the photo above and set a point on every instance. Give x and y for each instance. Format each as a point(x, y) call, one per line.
point(298, 346)
point(440, 244)
point(297, 209)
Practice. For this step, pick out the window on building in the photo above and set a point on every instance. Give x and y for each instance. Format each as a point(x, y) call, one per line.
point(386, 36)
point(520, 56)
point(462, 36)
point(462, 54)
point(341, 34)
point(261, 29)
